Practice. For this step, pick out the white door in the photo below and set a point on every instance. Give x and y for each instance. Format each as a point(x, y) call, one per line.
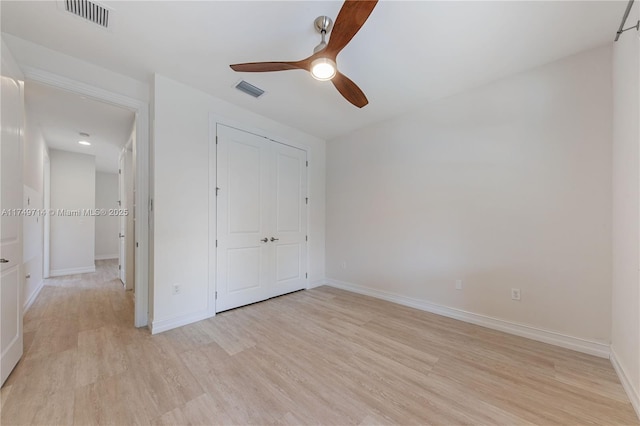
point(122, 196)
point(10, 226)
point(243, 218)
point(261, 218)
point(129, 203)
point(289, 239)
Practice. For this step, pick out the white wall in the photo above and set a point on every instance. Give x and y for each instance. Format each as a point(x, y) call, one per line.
point(625, 331)
point(181, 197)
point(107, 227)
point(505, 186)
point(35, 150)
point(73, 187)
point(33, 239)
point(33, 56)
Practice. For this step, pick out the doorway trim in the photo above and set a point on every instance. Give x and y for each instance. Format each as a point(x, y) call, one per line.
point(46, 190)
point(141, 110)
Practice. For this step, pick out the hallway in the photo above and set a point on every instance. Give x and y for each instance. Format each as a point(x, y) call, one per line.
point(73, 337)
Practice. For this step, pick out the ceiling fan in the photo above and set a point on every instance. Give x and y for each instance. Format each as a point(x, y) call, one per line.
point(322, 64)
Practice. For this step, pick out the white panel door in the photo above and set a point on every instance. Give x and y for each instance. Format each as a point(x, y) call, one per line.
point(11, 302)
point(243, 256)
point(122, 197)
point(289, 245)
point(129, 173)
point(262, 218)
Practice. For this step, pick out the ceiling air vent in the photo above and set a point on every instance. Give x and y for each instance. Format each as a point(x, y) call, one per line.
point(88, 10)
point(249, 89)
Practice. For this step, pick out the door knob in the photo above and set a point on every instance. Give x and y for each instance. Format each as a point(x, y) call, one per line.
point(4, 261)
point(275, 239)
point(264, 240)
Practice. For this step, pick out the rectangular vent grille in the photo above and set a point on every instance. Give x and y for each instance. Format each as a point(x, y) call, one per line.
point(249, 89)
point(88, 10)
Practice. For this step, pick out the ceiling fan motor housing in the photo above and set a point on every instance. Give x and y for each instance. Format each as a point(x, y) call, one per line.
point(323, 23)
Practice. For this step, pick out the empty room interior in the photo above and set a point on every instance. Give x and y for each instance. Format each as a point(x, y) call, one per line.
point(320, 212)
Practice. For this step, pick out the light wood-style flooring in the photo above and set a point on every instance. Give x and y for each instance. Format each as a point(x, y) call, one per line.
point(322, 356)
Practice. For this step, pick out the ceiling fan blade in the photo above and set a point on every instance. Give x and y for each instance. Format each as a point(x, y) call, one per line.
point(267, 66)
point(349, 90)
point(352, 16)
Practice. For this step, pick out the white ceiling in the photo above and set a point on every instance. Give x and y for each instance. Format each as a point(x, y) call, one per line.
point(407, 54)
point(62, 116)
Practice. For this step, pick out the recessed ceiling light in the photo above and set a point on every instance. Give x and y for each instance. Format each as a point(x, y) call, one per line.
point(84, 143)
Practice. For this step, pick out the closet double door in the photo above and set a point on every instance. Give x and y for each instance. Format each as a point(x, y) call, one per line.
point(261, 218)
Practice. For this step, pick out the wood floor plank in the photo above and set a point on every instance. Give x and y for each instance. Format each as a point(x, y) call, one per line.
point(40, 408)
point(228, 336)
point(99, 356)
point(199, 411)
point(162, 375)
point(42, 391)
point(47, 374)
point(116, 400)
point(4, 394)
point(54, 335)
point(226, 382)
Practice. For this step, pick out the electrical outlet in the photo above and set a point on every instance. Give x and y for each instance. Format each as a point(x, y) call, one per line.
point(344, 264)
point(515, 294)
point(177, 289)
point(458, 284)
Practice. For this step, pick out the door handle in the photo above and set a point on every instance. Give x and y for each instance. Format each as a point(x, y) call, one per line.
point(264, 240)
point(121, 235)
point(274, 239)
point(4, 261)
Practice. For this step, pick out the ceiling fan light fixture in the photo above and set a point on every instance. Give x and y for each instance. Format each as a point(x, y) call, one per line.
point(323, 69)
point(322, 63)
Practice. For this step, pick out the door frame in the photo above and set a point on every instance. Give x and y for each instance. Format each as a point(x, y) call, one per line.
point(214, 120)
point(122, 220)
point(46, 226)
point(127, 174)
point(141, 110)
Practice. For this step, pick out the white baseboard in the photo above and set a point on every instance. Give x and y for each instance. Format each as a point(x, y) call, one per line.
point(72, 271)
point(33, 296)
point(632, 393)
point(158, 326)
point(107, 256)
point(551, 337)
point(316, 283)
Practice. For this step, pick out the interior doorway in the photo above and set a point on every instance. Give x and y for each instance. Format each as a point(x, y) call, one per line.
point(82, 140)
point(137, 134)
point(141, 110)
